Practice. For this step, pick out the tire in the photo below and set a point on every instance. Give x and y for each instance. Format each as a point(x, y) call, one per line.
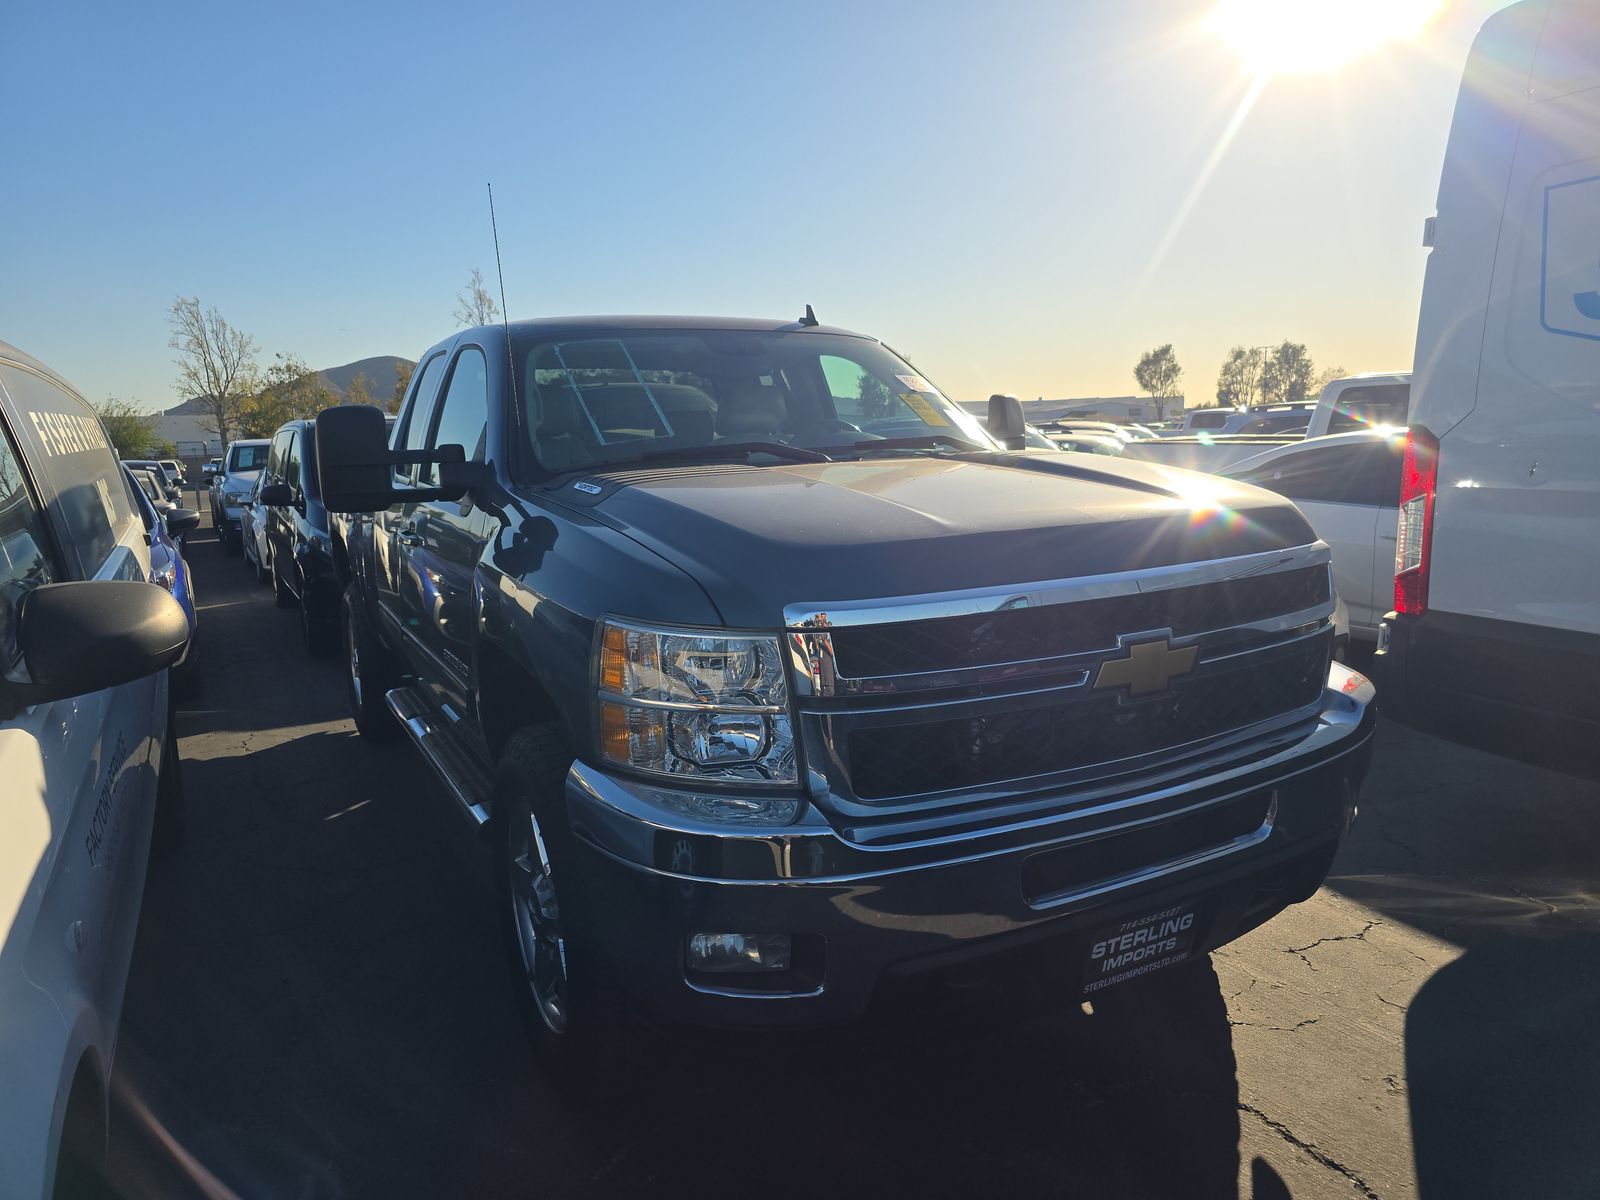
point(172, 812)
point(263, 575)
point(575, 1017)
point(369, 672)
point(281, 595)
point(321, 636)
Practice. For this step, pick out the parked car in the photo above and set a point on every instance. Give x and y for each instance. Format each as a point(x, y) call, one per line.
point(1260, 418)
point(1086, 442)
point(175, 471)
point(88, 770)
point(165, 528)
point(253, 532)
point(726, 678)
point(1494, 638)
point(1372, 400)
point(230, 487)
point(297, 541)
point(169, 490)
point(1348, 487)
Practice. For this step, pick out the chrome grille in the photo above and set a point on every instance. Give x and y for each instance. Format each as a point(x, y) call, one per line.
point(944, 702)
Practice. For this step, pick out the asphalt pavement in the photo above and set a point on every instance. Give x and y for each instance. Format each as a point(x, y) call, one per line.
point(319, 1007)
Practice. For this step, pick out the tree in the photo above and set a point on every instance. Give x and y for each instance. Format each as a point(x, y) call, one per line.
point(1326, 376)
point(129, 431)
point(1158, 374)
point(474, 305)
point(357, 392)
point(1239, 380)
point(402, 380)
point(877, 401)
point(291, 391)
point(1286, 376)
point(216, 362)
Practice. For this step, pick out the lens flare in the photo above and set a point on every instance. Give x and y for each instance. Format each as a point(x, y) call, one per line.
point(1278, 37)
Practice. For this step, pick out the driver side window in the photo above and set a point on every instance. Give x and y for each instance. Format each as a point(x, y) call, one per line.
point(24, 561)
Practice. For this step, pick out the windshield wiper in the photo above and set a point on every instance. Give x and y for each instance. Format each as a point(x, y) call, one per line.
point(722, 450)
point(928, 442)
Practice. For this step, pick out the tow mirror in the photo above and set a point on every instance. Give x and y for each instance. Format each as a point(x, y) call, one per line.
point(181, 521)
point(83, 637)
point(277, 495)
point(355, 467)
point(1005, 422)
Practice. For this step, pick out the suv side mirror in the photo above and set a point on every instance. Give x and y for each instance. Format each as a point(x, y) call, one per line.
point(277, 495)
point(1005, 422)
point(82, 637)
point(182, 520)
point(355, 467)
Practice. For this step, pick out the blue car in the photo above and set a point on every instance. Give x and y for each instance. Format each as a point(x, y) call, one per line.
point(167, 568)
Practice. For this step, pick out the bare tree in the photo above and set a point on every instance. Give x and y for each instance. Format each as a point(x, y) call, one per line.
point(474, 305)
point(1239, 380)
point(1286, 376)
point(1159, 374)
point(216, 362)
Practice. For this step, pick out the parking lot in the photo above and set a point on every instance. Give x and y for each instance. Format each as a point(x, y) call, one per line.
point(319, 1007)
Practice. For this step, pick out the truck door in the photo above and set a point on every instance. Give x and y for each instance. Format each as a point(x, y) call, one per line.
point(452, 534)
point(394, 529)
point(85, 767)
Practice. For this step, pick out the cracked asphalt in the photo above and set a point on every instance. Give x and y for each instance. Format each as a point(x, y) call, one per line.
point(319, 1008)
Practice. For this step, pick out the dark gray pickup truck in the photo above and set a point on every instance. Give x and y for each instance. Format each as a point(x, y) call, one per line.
point(778, 681)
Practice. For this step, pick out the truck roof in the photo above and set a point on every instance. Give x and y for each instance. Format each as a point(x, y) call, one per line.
point(637, 321)
point(11, 354)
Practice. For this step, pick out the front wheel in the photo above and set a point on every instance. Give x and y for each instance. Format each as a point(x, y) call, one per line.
point(281, 595)
point(369, 672)
point(575, 1018)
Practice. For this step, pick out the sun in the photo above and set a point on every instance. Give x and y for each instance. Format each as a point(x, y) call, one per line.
point(1277, 37)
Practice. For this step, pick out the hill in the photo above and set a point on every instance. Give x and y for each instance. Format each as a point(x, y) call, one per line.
point(380, 371)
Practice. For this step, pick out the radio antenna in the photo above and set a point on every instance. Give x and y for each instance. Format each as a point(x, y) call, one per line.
point(505, 320)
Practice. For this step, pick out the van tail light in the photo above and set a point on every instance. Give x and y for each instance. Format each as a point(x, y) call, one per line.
point(1413, 551)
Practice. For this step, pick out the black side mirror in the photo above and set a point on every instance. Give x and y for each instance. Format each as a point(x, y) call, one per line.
point(78, 638)
point(355, 467)
point(1005, 422)
point(277, 495)
point(181, 521)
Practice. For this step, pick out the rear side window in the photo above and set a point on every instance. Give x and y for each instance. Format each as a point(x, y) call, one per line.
point(1214, 420)
point(89, 508)
point(24, 561)
point(291, 462)
point(1363, 407)
point(464, 411)
point(1365, 474)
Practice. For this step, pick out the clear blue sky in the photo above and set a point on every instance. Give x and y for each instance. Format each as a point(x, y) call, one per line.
point(984, 186)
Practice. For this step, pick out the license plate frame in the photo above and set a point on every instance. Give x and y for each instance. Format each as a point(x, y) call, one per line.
point(1120, 951)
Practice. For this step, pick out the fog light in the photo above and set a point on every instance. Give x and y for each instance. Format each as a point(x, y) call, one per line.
point(722, 952)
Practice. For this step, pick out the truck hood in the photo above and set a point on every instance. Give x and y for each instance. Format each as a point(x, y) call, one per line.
point(760, 538)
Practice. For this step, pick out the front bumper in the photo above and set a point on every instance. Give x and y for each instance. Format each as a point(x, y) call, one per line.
point(865, 919)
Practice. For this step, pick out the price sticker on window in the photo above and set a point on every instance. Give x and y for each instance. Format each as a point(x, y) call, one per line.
point(924, 408)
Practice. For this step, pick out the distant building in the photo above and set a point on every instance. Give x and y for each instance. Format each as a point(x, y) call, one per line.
point(189, 433)
point(1111, 408)
point(1088, 408)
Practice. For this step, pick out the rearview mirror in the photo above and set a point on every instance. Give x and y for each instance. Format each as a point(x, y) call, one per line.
point(1005, 422)
point(355, 466)
point(83, 637)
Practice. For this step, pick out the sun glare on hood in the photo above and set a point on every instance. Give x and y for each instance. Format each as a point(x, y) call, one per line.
point(1276, 37)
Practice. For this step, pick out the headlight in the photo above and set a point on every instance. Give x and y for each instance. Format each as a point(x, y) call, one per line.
point(704, 705)
point(166, 574)
point(235, 497)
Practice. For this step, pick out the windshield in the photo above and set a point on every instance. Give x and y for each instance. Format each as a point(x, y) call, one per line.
point(248, 458)
point(611, 398)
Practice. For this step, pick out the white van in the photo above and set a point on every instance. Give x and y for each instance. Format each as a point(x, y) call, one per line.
point(1495, 637)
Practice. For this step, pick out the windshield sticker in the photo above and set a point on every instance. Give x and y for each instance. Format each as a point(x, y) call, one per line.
point(916, 383)
point(923, 408)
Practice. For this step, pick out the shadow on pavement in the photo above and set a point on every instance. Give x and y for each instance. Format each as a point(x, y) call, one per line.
point(1502, 1043)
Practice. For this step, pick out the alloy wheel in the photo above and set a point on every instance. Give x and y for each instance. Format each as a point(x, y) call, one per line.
point(538, 921)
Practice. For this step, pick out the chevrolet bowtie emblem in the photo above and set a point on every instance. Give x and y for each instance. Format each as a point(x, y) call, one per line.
point(1149, 667)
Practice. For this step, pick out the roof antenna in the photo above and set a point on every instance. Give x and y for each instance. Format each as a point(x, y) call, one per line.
point(810, 318)
point(505, 320)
